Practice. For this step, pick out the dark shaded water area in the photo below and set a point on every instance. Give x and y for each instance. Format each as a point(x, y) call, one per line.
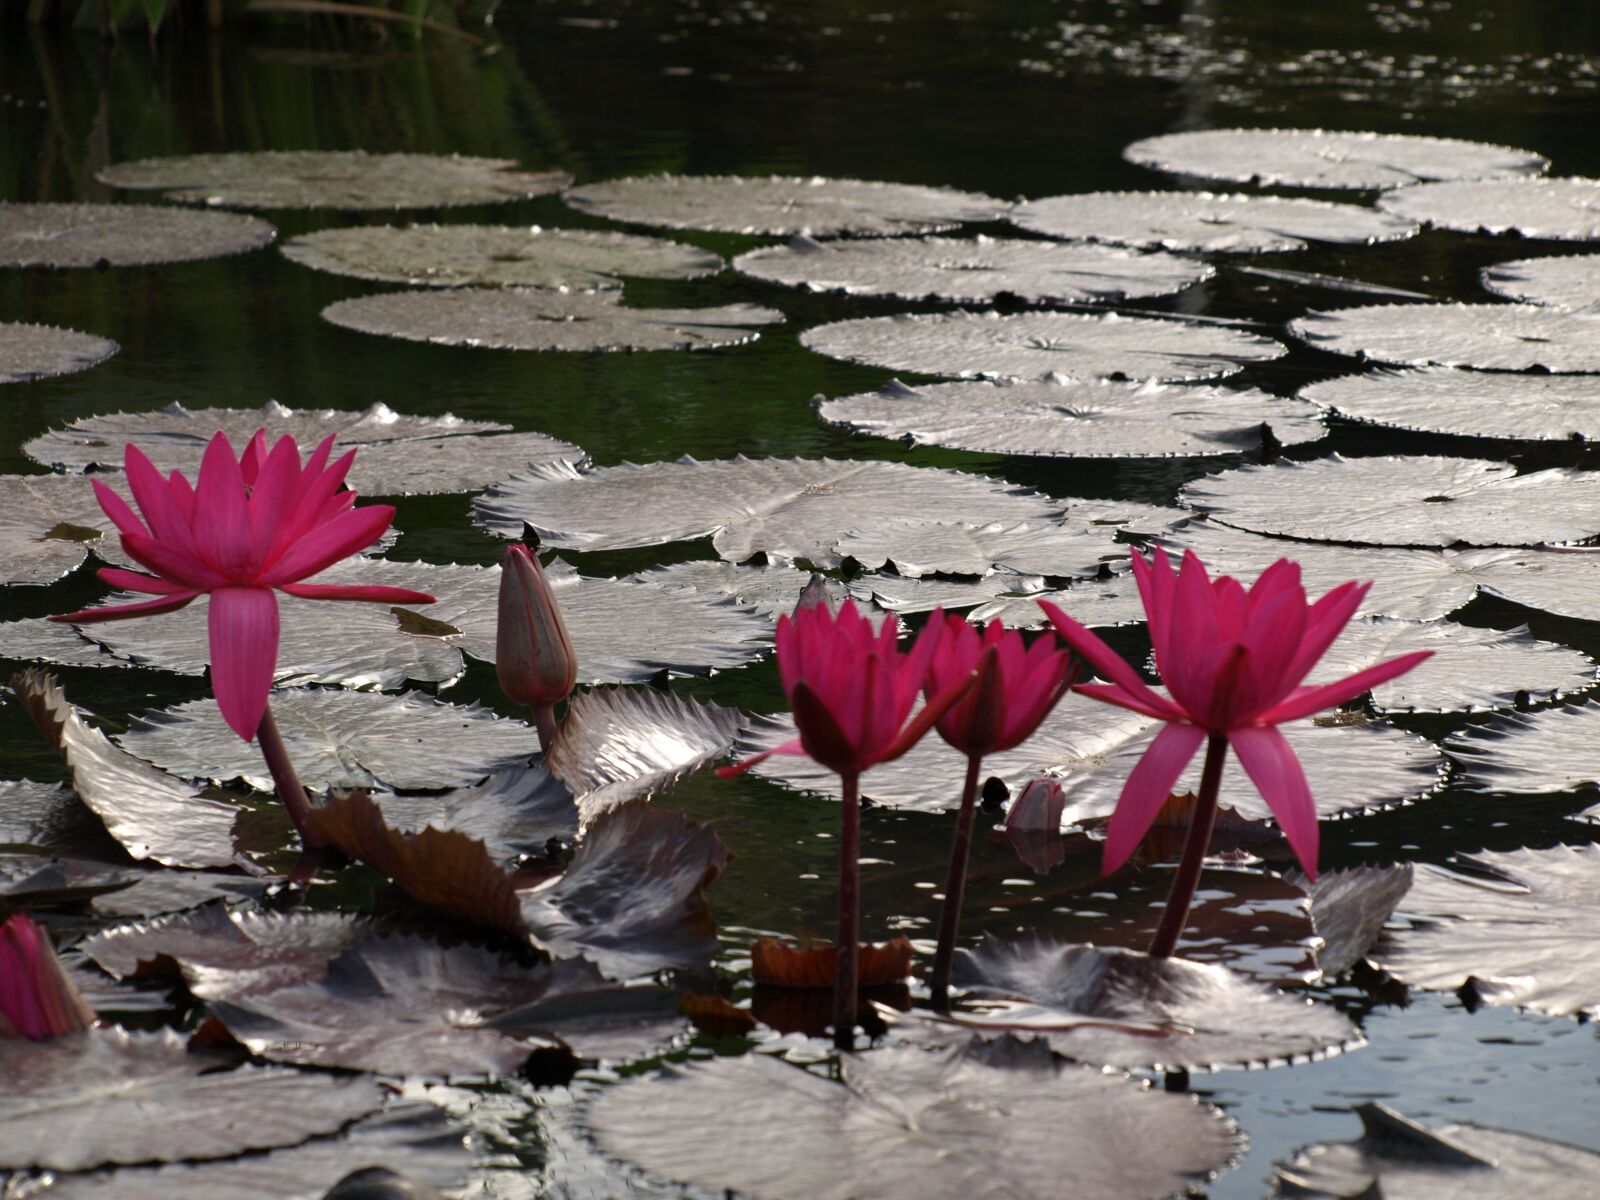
point(1007, 98)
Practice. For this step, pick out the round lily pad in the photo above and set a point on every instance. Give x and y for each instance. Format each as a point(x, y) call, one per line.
point(47, 525)
point(1555, 209)
point(1034, 345)
point(1321, 158)
point(1540, 752)
point(497, 256)
point(782, 205)
point(1204, 221)
point(971, 272)
point(1559, 281)
point(1467, 403)
point(1487, 337)
point(1076, 418)
point(918, 548)
point(1560, 581)
point(770, 589)
point(122, 235)
point(352, 180)
point(42, 351)
point(901, 594)
point(1404, 501)
point(532, 319)
point(1097, 603)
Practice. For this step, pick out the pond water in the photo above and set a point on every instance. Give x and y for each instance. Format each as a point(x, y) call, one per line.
point(1010, 98)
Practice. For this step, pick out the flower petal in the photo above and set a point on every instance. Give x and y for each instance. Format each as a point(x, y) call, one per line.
point(135, 581)
point(1309, 700)
point(222, 525)
point(1108, 663)
point(1148, 786)
point(118, 612)
point(356, 591)
point(244, 654)
point(1269, 760)
point(115, 507)
point(791, 747)
point(327, 544)
point(166, 520)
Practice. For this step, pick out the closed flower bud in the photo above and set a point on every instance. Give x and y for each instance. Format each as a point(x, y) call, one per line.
point(37, 999)
point(533, 654)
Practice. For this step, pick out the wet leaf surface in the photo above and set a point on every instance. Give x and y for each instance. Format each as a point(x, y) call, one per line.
point(1560, 280)
point(35, 639)
point(42, 882)
point(122, 235)
point(918, 548)
point(771, 590)
point(1097, 603)
point(1466, 403)
point(1076, 419)
point(158, 892)
point(1349, 909)
point(514, 813)
point(1204, 221)
point(1555, 209)
point(1034, 345)
point(49, 522)
point(1487, 337)
point(45, 816)
point(43, 351)
point(1548, 751)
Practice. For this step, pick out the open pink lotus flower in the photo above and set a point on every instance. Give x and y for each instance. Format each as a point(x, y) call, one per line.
point(1233, 662)
point(249, 525)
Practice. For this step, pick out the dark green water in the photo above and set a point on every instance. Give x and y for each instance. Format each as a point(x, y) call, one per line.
point(1024, 98)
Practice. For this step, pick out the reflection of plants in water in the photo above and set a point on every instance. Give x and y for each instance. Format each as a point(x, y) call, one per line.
point(454, 18)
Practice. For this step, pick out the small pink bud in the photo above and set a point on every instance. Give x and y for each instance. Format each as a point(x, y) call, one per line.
point(1033, 825)
point(37, 999)
point(533, 654)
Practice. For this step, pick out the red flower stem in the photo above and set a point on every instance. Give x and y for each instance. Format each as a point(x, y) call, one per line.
point(1187, 880)
point(955, 886)
point(844, 985)
point(290, 790)
point(544, 720)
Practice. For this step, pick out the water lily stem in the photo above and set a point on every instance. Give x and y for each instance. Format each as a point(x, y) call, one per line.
point(544, 720)
point(955, 886)
point(844, 986)
point(288, 783)
point(1187, 880)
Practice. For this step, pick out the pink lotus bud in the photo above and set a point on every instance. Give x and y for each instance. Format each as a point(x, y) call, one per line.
point(533, 654)
point(1033, 825)
point(37, 1000)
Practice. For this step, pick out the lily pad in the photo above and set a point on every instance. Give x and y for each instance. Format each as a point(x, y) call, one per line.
point(786, 508)
point(1547, 751)
point(1076, 418)
point(918, 548)
point(978, 271)
point(1403, 501)
point(530, 319)
point(497, 256)
point(782, 205)
point(990, 1121)
point(1034, 345)
point(1399, 1159)
point(1349, 909)
point(771, 589)
point(43, 882)
point(1097, 603)
point(42, 351)
point(1553, 209)
point(514, 814)
point(1569, 281)
point(352, 180)
point(1519, 934)
point(36, 639)
point(1565, 582)
point(1321, 158)
point(1204, 221)
point(160, 892)
point(122, 235)
point(1486, 337)
point(897, 593)
point(1467, 403)
point(43, 816)
point(83, 1100)
point(49, 524)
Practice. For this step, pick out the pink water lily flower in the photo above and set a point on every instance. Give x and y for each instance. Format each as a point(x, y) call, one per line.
point(37, 998)
point(250, 525)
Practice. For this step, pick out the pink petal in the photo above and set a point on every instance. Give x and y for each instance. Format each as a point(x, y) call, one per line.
point(1110, 664)
point(1306, 701)
point(356, 591)
point(134, 581)
point(170, 562)
point(166, 520)
point(273, 496)
point(118, 612)
point(1269, 760)
point(115, 507)
point(792, 747)
point(222, 521)
point(327, 544)
point(244, 653)
point(1326, 618)
point(1147, 789)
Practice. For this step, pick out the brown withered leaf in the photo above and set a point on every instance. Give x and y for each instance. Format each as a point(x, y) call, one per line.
point(777, 963)
point(714, 1016)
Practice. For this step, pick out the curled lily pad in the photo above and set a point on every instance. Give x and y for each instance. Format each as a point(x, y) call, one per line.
point(770, 589)
point(41, 351)
point(122, 235)
point(1203, 221)
point(1559, 281)
point(1400, 1159)
point(782, 205)
point(497, 256)
point(1403, 501)
point(530, 319)
point(352, 180)
point(514, 814)
point(1488, 337)
point(80, 1101)
point(1349, 909)
point(918, 548)
point(1466, 403)
point(989, 1121)
point(1322, 158)
point(1522, 932)
point(1076, 418)
point(1548, 751)
point(1557, 209)
point(1034, 345)
point(784, 507)
point(971, 272)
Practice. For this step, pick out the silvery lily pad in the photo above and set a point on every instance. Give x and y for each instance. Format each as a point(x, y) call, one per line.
point(1486, 337)
point(1399, 1159)
point(35, 639)
point(1472, 669)
point(899, 594)
point(530, 319)
point(782, 205)
point(1349, 909)
point(772, 589)
point(1034, 345)
point(1332, 283)
point(1403, 501)
point(1076, 418)
point(43, 816)
point(1203, 221)
point(971, 272)
point(80, 1101)
point(1467, 403)
point(152, 814)
point(1522, 936)
point(918, 548)
point(1555, 209)
point(497, 256)
point(156, 893)
point(339, 739)
point(1553, 750)
point(785, 508)
point(1097, 603)
point(41, 882)
point(122, 235)
point(1183, 1015)
point(1569, 281)
point(1565, 582)
point(990, 1121)
point(49, 521)
point(41, 351)
point(513, 815)
point(1321, 158)
point(352, 180)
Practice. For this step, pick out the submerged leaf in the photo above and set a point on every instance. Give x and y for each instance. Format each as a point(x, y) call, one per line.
point(122, 235)
point(1561, 209)
point(1466, 403)
point(41, 351)
point(1560, 281)
point(1486, 337)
